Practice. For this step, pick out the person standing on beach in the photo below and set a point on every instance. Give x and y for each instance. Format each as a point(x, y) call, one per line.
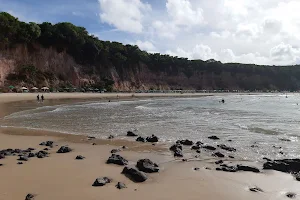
point(42, 97)
point(38, 98)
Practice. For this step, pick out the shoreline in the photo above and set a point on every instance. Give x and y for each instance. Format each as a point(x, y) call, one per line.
point(62, 177)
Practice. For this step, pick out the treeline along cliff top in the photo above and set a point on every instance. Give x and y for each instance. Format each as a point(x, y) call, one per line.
point(63, 55)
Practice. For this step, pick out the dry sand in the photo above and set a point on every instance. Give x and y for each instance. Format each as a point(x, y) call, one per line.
point(61, 177)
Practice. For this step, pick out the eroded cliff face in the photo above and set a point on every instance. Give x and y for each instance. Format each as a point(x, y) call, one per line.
point(65, 69)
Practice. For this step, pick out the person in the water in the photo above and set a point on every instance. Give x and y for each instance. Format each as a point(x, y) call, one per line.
point(38, 98)
point(42, 97)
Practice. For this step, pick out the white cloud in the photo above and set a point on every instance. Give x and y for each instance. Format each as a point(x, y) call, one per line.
point(126, 15)
point(145, 45)
point(247, 31)
point(182, 13)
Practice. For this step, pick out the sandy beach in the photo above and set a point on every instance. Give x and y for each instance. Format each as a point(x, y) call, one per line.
point(61, 177)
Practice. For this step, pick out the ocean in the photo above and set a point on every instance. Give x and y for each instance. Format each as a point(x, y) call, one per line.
point(264, 125)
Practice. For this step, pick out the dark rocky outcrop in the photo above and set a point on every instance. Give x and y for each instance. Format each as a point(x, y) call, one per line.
point(227, 168)
point(47, 143)
point(195, 147)
point(186, 142)
point(247, 168)
point(117, 159)
point(31, 155)
point(226, 148)
point(80, 157)
point(101, 181)
point(140, 139)
point(152, 138)
point(64, 149)
point(146, 165)
point(219, 162)
point(23, 158)
point(120, 185)
point(255, 189)
point(213, 137)
point(218, 154)
point(134, 174)
point(177, 149)
point(290, 195)
point(284, 165)
point(29, 197)
point(115, 151)
point(131, 134)
point(209, 147)
point(42, 154)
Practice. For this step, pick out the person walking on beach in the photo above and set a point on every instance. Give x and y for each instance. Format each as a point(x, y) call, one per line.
point(42, 97)
point(38, 98)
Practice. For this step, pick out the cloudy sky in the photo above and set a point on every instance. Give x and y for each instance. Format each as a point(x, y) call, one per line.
point(247, 31)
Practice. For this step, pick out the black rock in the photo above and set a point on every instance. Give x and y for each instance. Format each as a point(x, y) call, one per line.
point(23, 158)
point(1, 164)
point(46, 149)
point(229, 140)
point(140, 139)
point(120, 185)
point(267, 159)
point(255, 189)
point(42, 154)
point(101, 181)
point(124, 147)
point(134, 174)
point(30, 155)
point(64, 149)
point(175, 147)
point(43, 143)
point(199, 143)
point(131, 134)
point(117, 159)
point(91, 137)
point(231, 156)
point(20, 163)
point(290, 195)
point(297, 176)
point(254, 146)
point(195, 147)
point(208, 168)
point(115, 150)
point(198, 151)
point(47, 143)
point(213, 137)
point(196, 168)
point(29, 197)
point(218, 154)
point(209, 147)
point(178, 153)
point(186, 142)
point(285, 139)
point(219, 162)
point(146, 165)
point(17, 151)
point(153, 138)
point(80, 157)
point(284, 165)
point(111, 137)
point(94, 144)
point(226, 148)
point(227, 168)
point(2, 156)
point(247, 168)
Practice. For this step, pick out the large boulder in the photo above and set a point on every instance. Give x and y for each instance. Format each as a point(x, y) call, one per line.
point(131, 134)
point(134, 174)
point(247, 168)
point(64, 149)
point(140, 139)
point(213, 137)
point(101, 181)
point(152, 138)
point(117, 159)
point(209, 147)
point(285, 165)
point(146, 165)
point(177, 149)
point(226, 148)
point(186, 142)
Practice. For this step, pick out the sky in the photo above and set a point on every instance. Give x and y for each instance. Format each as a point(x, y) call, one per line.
point(245, 31)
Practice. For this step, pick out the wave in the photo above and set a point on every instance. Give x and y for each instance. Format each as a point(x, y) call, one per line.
point(144, 108)
point(264, 131)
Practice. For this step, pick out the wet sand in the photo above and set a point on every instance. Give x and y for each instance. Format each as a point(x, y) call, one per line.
point(61, 177)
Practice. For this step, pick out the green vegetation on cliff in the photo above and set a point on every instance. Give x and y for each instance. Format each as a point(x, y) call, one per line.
point(97, 56)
